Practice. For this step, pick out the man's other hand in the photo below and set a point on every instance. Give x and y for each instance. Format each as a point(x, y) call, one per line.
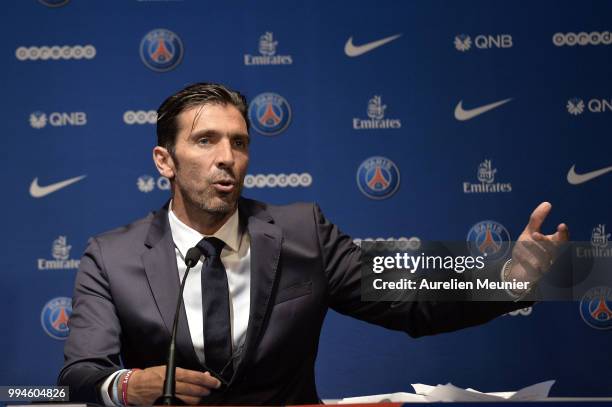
point(145, 386)
point(535, 252)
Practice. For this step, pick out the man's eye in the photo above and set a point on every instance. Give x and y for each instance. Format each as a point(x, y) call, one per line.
point(203, 140)
point(240, 143)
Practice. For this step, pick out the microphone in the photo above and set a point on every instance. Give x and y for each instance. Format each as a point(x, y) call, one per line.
point(168, 397)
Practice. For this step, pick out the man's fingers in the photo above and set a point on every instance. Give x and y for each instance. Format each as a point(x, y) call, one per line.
point(562, 233)
point(192, 401)
point(537, 217)
point(546, 241)
point(197, 378)
point(541, 249)
point(193, 390)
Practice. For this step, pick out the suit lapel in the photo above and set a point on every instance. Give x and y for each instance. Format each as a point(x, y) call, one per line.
point(162, 274)
point(266, 239)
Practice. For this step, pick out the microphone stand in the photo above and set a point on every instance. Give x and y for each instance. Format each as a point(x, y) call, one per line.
point(168, 397)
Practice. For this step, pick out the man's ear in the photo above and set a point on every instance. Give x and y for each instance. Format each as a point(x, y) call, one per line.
point(164, 162)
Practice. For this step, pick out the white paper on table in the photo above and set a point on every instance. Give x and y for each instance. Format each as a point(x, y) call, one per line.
point(503, 394)
point(450, 392)
point(423, 389)
point(536, 391)
point(382, 398)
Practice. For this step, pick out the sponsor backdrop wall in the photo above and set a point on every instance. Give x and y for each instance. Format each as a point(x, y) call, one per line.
point(428, 119)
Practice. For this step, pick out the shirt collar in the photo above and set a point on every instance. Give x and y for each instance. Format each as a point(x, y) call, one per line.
point(186, 237)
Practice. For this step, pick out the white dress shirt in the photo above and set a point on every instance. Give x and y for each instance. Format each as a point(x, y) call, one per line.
point(236, 258)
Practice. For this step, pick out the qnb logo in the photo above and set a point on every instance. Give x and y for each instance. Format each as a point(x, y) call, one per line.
point(39, 120)
point(486, 178)
point(60, 251)
point(278, 180)
point(147, 183)
point(55, 317)
point(55, 52)
point(140, 117)
point(464, 42)
point(392, 243)
point(267, 50)
point(582, 38)
point(577, 106)
point(524, 312)
point(376, 114)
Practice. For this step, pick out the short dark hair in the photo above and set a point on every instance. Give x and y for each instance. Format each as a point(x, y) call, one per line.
point(198, 94)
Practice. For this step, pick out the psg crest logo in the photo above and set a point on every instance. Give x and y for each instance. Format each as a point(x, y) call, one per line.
point(489, 238)
point(54, 317)
point(378, 178)
point(161, 50)
point(269, 113)
point(596, 307)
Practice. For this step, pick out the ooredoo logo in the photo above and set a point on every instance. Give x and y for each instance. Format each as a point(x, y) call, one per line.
point(55, 52)
point(571, 39)
point(140, 117)
point(525, 312)
point(292, 180)
point(395, 243)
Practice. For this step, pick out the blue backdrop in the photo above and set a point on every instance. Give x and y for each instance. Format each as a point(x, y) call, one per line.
point(513, 98)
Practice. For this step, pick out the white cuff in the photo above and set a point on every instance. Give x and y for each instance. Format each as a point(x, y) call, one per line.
point(107, 399)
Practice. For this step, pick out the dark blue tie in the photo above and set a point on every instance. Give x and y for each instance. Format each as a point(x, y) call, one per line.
point(215, 307)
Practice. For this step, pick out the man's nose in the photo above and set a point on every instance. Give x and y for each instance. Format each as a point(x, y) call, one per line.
point(225, 153)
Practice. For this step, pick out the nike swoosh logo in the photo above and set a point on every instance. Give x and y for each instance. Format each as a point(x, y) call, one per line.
point(463, 115)
point(356, 50)
point(577, 179)
point(38, 192)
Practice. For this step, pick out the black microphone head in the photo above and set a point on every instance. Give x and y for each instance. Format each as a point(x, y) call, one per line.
point(193, 256)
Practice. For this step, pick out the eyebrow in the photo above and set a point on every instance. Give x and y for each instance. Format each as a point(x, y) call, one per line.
point(215, 133)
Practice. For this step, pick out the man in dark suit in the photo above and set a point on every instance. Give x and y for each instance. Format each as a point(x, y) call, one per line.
point(278, 269)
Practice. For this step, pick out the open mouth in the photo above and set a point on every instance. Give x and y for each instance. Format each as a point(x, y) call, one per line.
point(224, 185)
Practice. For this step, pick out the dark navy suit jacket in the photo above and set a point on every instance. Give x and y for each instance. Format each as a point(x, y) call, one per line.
point(127, 288)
